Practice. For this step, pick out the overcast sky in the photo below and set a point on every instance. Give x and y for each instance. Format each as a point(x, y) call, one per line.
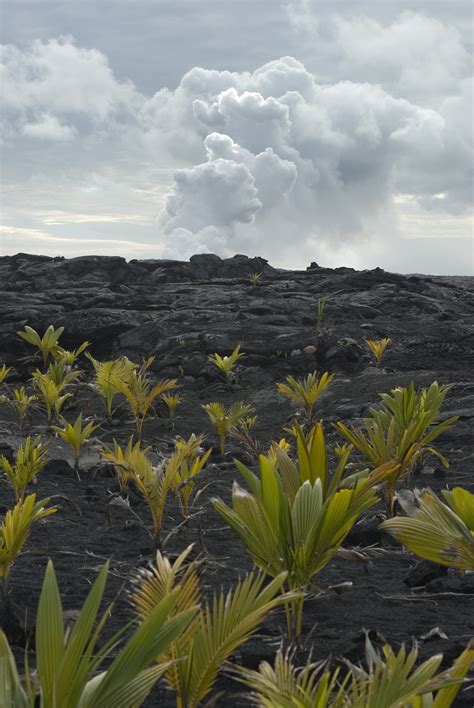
point(335, 132)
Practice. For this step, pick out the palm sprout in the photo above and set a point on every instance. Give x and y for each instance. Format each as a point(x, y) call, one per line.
point(391, 680)
point(108, 374)
point(226, 364)
point(133, 456)
point(141, 393)
point(21, 402)
point(14, 531)
point(75, 435)
point(190, 462)
point(47, 344)
point(50, 394)
point(403, 429)
point(30, 459)
point(378, 347)
point(218, 629)
point(305, 392)
point(172, 401)
point(4, 370)
point(67, 670)
point(225, 419)
point(441, 533)
point(69, 357)
point(294, 524)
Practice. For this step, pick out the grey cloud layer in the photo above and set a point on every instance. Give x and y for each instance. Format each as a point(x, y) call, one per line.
point(316, 148)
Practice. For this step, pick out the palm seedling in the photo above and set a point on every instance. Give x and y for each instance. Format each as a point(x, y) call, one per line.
point(391, 680)
point(295, 518)
point(21, 402)
point(403, 429)
point(4, 370)
point(107, 376)
point(217, 630)
point(244, 434)
point(47, 344)
point(378, 347)
point(14, 531)
point(188, 462)
point(305, 392)
point(50, 394)
point(141, 393)
point(30, 459)
point(172, 401)
point(69, 667)
point(227, 364)
point(255, 278)
point(60, 373)
point(441, 533)
point(225, 420)
point(75, 435)
point(133, 456)
point(69, 356)
point(153, 482)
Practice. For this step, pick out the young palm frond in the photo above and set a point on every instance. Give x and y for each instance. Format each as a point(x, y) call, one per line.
point(47, 344)
point(61, 373)
point(390, 681)
point(49, 393)
point(4, 370)
point(107, 376)
point(68, 356)
point(298, 533)
point(132, 457)
point(378, 347)
point(403, 429)
point(171, 401)
point(226, 364)
point(75, 435)
point(440, 533)
point(66, 667)
point(218, 629)
point(255, 278)
point(21, 402)
point(15, 529)
point(305, 392)
point(141, 393)
point(224, 419)
point(30, 459)
point(188, 462)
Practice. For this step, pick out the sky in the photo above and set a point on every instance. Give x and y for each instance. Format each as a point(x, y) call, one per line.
point(303, 130)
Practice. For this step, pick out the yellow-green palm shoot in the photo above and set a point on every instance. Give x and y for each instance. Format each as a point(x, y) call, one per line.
point(108, 374)
point(153, 482)
point(70, 671)
point(4, 369)
point(30, 459)
point(47, 344)
point(227, 364)
point(320, 305)
point(61, 373)
point(402, 429)
point(188, 462)
point(391, 680)
point(172, 401)
point(218, 628)
point(225, 419)
point(21, 402)
point(441, 533)
point(49, 393)
point(255, 278)
point(298, 534)
point(305, 392)
point(75, 435)
point(15, 529)
point(69, 356)
point(378, 347)
point(133, 457)
point(141, 394)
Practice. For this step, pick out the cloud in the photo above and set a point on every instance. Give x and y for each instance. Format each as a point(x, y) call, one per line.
point(49, 128)
point(277, 152)
point(321, 154)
